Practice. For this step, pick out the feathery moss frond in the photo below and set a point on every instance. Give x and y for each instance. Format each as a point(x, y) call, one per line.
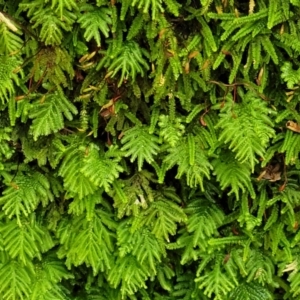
point(140, 144)
point(247, 128)
point(191, 161)
point(94, 21)
point(88, 241)
point(48, 114)
point(8, 77)
point(233, 174)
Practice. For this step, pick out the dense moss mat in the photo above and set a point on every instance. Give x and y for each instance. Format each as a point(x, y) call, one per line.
point(149, 149)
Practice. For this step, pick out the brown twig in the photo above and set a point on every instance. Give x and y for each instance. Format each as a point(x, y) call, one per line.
point(241, 84)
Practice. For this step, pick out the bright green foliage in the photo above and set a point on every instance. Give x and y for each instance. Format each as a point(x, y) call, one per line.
point(16, 280)
point(47, 277)
point(162, 217)
point(128, 273)
point(22, 196)
point(48, 114)
point(170, 131)
point(129, 60)
point(290, 76)
point(249, 291)
point(215, 281)
point(191, 161)
point(140, 145)
point(95, 21)
point(7, 77)
point(87, 241)
point(149, 250)
point(75, 182)
point(204, 219)
point(25, 239)
point(234, 174)
point(149, 149)
point(5, 150)
point(247, 129)
point(103, 169)
point(9, 39)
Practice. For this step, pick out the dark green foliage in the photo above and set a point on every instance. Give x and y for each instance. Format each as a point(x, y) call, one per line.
point(149, 149)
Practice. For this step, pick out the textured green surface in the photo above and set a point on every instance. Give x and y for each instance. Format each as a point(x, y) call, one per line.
point(149, 149)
